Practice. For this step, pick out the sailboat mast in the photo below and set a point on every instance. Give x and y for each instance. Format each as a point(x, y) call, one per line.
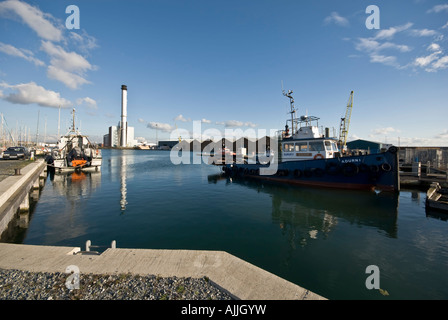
point(73, 127)
point(59, 122)
point(37, 130)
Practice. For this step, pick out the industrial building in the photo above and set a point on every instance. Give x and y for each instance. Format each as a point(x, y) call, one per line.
point(366, 146)
point(121, 135)
point(436, 157)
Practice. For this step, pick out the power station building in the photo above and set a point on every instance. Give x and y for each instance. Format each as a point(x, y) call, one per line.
point(121, 135)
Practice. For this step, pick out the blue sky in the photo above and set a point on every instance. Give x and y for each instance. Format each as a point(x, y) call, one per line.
point(223, 63)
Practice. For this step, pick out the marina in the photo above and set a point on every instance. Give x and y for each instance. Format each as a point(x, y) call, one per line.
point(143, 201)
point(213, 146)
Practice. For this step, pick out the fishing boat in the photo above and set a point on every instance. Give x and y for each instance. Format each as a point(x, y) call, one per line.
point(74, 152)
point(306, 157)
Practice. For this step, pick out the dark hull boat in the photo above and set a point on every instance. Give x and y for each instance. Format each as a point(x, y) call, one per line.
point(373, 171)
point(308, 158)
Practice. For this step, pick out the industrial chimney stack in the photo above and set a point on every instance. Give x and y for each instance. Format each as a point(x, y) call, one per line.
point(124, 122)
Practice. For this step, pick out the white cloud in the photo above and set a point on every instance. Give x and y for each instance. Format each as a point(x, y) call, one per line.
point(165, 127)
point(181, 118)
point(71, 80)
point(89, 102)
point(439, 140)
point(33, 17)
point(203, 120)
point(375, 46)
point(424, 61)
point(67, 67)
point(29, 93)
point(384, 131)
point(83, 41)
point(423, 32)
point(21, 53)
point(235, 124)
point(335, 18)
point(367, 44)
point(443, 135)
point(445, 26)
point(389, 33)
point(441, 63)
point(438, 8)
point(387, 60)
point(433, 47)
point(61, 59)
point(434, 61)
point(140, 120)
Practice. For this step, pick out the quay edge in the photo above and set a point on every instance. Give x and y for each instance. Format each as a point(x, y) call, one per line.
point(15, 190)
point(241, 279)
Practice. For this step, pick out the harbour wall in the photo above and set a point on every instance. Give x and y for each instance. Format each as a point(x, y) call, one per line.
point(15, 192)
point(241, 279)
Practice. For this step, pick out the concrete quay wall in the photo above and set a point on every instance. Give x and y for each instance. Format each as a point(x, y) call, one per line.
point(240, 278)
point(15, 190)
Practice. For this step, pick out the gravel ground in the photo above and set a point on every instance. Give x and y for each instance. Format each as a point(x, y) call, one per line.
point(24, 285)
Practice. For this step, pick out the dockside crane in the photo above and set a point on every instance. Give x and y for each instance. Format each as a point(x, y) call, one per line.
point(345, 124)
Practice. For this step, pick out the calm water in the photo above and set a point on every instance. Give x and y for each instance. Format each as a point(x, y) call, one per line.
point(320, 239)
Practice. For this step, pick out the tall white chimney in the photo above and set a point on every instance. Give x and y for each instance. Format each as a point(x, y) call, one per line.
point(124, 122)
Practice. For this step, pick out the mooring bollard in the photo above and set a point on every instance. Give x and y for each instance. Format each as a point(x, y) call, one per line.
point(17, 172)
point(88, 244)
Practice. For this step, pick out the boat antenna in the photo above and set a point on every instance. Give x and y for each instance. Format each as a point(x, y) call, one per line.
point(291, 103)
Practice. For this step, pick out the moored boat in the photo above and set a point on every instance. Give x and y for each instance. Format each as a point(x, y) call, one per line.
point(307, 157)
point(74, 152)
point(437, 197)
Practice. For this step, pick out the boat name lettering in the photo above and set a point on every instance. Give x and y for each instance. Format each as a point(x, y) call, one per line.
point(350, 160)
point(303, 154)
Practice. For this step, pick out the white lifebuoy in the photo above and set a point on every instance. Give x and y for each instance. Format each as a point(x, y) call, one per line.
point(318, 156)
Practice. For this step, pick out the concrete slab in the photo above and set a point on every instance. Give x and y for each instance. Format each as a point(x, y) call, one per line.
point(15, 189)
point(240, 278)
point(11, 184)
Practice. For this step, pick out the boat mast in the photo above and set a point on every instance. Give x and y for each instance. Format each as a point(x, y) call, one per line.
point(73, 127)
point(59, 121)
point(37, 130)
point(293, 111)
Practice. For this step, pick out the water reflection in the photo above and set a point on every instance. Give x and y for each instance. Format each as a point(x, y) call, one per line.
point(122, 167)
point(75, 185)
point(436, 214)
point(306, 214)
point(67, 206)
point(123, 188)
